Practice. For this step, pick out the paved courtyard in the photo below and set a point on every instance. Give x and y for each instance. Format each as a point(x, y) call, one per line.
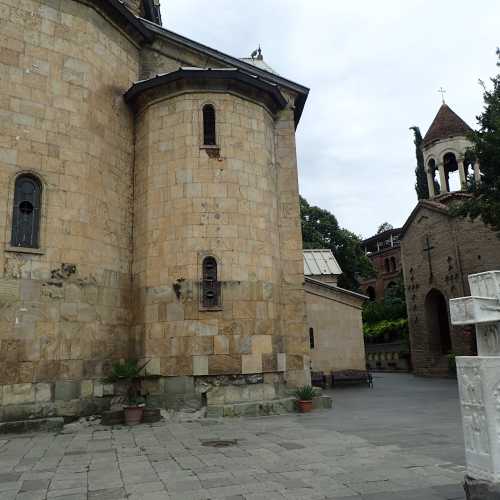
point(401, 440)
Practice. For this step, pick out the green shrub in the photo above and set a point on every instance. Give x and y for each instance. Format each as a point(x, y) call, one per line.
point(305, 393)
point(126, 370)
point(394, 329)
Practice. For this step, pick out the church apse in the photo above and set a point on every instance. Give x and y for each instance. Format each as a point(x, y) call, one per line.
point(210, 297)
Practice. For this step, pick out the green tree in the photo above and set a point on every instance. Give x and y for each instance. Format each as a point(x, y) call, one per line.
point(421, 183)
point(385, 226)
point(320, 229)
point(485, 201)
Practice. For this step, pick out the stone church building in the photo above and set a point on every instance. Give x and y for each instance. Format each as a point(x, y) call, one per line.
point(149, 209)
point(439, 250)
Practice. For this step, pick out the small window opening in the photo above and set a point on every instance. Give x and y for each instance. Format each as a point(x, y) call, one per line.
point(209, 125)
point(393, 263)
point(311, 338)
point(26, 212)
point(386, 265)
point(210, 283)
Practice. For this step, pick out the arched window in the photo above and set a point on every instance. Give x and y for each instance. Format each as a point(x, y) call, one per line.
point(210, 285)
point(432, 167)
point(311, 338)
point(26, 212)
point(452, 176)
point(209, 125)
point(371, 293)
point(393, 263)
point(386, 265)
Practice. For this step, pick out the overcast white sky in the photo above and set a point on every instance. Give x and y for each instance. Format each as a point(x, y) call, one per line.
point(374, 68)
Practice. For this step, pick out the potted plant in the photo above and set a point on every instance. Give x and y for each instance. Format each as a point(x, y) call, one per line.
point(304, 397)
point(128, 373)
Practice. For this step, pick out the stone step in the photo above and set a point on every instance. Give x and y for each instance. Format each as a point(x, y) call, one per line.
point(263, 408)
point(52, 424)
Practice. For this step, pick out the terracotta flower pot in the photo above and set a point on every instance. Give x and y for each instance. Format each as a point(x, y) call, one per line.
point(304, 406)
point(133, 414)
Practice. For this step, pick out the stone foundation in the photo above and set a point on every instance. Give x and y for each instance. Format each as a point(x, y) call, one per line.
point(481, 490)
point(228, 395)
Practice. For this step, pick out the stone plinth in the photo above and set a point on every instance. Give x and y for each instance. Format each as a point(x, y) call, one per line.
point(479, 385)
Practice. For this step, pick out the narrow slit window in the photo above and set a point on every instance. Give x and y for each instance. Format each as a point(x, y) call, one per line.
point(311, 338)
point(208, 125)
point(210, 283)
point(26, 212)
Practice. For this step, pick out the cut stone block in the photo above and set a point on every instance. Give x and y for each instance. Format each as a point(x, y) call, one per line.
point(43, 392)
point(67, 390)
point(200, 365)
point(251, 363)
point(18, 394)
point(86, 388)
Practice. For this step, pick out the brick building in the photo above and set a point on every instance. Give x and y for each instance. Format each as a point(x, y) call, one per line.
point(384, 252)
point(149, 209)
point(439, 250)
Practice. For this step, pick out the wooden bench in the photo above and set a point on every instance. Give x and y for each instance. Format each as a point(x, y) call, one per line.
point(318, 379)
point(354, 376)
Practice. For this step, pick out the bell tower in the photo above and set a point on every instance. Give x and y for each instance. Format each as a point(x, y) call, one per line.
point(447, 164)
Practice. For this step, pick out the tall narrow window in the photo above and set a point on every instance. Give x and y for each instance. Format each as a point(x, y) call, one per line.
point(311, 338)
point(208, 125)
point(387, 265)
point(26, 212)
point(210, 283)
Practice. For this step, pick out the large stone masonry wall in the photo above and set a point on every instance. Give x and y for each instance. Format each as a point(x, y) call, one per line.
point(460, 247)
point(64, 312)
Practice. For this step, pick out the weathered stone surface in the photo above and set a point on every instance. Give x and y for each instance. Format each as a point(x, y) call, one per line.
point(18, 394)
point(72, 307)
point(86, 388)
point(43, 392)
point(251, 363)
point(200, 365)
point(66, 390)
point(223, 364)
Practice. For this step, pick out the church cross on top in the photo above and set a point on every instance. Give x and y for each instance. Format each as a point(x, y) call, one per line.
point(442, 92)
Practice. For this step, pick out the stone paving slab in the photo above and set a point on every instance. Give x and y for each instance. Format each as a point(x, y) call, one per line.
point(272, 458)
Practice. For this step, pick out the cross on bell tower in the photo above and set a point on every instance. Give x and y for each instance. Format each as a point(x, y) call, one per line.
point(442, 92)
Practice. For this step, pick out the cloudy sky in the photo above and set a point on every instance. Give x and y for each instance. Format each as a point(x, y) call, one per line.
point(374, 68)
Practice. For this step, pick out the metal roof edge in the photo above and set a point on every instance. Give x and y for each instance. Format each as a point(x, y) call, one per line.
point(336, 288)
point(223, 73)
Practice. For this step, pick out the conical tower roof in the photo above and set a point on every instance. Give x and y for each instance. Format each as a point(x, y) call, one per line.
point(446, 124)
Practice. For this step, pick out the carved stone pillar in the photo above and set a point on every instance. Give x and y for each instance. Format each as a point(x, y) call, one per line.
point(479, 385)
point(430, 182)
point(442, 179)
point(461, 173)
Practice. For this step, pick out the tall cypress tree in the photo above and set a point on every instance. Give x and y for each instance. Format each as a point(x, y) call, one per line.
point(421, 183)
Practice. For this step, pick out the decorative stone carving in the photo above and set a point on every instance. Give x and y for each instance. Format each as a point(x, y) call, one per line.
point(479, 379)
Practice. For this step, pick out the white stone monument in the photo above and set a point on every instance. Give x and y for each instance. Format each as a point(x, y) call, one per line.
point(479, 385)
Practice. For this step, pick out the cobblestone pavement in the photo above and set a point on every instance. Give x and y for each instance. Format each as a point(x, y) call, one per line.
point(291, 456)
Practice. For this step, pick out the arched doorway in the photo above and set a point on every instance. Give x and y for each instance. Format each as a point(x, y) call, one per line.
point(438, 325)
